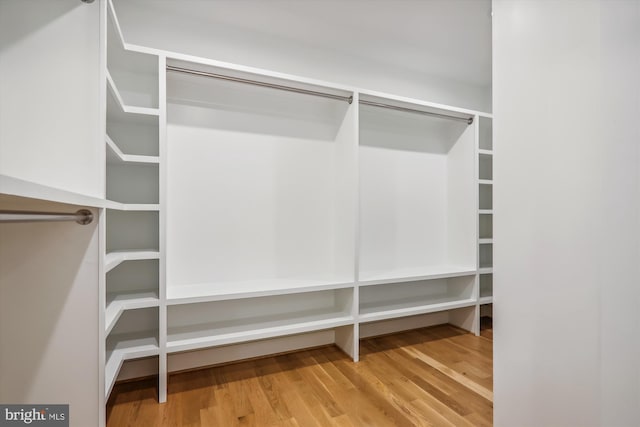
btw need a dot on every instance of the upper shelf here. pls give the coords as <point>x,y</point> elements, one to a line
<point>203,292</point>
<point>414,274</point>
<point>136,74</point>
<point>32,190</point>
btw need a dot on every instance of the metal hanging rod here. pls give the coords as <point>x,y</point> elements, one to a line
<point>467,120</point>
<point>83,216</point>
<point>349,99</point>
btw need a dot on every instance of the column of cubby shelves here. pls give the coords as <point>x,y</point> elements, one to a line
<point>417,263</point>
<point>485,220</point>
<point>132,210</point>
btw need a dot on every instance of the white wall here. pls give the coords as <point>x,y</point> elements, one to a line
<point>567,205</point>
<point>49,102</point>
<point>149,24</point>
<point>49,312</point>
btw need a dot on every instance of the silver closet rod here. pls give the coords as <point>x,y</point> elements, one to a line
<point>467,120</point>
<point>349,99</point>
<point>83,216</point>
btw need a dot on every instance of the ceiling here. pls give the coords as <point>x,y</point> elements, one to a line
<point>446,38</point>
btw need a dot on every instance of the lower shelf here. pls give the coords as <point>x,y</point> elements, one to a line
<point>410,307</point>
<point>184,338</point>
<point>126,347</point>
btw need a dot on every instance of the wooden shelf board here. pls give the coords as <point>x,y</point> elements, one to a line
<point>237,331</point>
<point>485,241</point>
<point>487,152</point>
<point>127,347</point>
<point>117,303</point>
<point>485,181</point>
<point>410,307</point>
<point>485,211</point>
<point>485,270</point>
<point>413,274</point>
<point>202,292</point>
<point>128,108</point>
<point>115,155</point>
<point>115,258</point>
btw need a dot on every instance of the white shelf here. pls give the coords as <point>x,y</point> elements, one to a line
<point>21,188</point>
<point>487,152</point>
<point>485,241</point>
<point>110,204</point>
<point>411,307</point>
<point>203,292</point>
<point>128,108</point>
<point>125,347</point>
<point>115,258</point>
<point>485,211</point>
<point>485,300</point>
<point>413,274</point>
<point>236,331</point>
<point>118,303</point>
<point>486,270</point>
<point>115,155</point>
<point>485,181</point>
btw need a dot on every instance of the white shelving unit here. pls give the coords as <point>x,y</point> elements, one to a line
<point>243,214</point>
<point>485,216</point>
<point>132,218</point>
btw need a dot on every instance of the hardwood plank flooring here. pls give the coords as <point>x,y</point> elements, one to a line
<point>438,376</point>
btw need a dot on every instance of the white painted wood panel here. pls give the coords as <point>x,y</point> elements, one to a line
<point>50,85</point>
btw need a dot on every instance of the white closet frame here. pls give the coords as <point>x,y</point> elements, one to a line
<point>349,307</point>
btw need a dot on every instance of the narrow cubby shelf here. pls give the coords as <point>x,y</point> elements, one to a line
<point>117,303</point>
<point>485,270</point>
<point>485,241</point>
<point>485,211</point>
<point>485,195</point>
<point>208,324</point>
<point>485,152</point>
<point>203,292</point>
<point>110,204</point>
<point>131,109</point>
<point>115,258</point>
<point>485,181</point>
<point>128,346</point>
<point>485,300</point>
<point>485,255</point>
<point>134,335</point>
<point>115,155</point>
<point>413,274</point>
<point>486,285</point>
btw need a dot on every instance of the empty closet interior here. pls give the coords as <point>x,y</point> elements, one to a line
<point>254,212</point>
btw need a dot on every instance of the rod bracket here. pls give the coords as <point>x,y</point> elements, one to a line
<point>84,217</point>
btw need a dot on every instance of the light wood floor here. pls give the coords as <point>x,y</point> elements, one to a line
<point>439,376</point>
